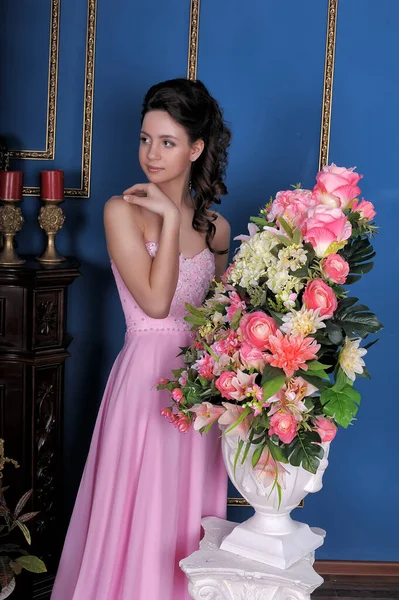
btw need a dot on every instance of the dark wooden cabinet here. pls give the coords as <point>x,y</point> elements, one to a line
<point>33,348</point>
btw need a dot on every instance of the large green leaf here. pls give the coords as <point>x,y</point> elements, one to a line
<point>341,404</point>
<point>32,564</point>
<point>356,320</point>
<point>276,452</point>
<point>305,450</point>
<point>358,252</point>
<point>272,381</point>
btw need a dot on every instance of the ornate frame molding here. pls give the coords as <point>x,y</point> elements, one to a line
<point>328,82</point>
<point>84,190</point>
<point>193,37</point>
<point>48,153</point>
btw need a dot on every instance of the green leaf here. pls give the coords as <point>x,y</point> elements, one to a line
<point>236,319</point>
<point>247,447</point>
<point>302,272</point>
<point>283,240</point>
<point>342,405</point>
<point>193,310</point>
<point>276,452</point>
<point>237,454</point>
<point>314,380</point>
<point>297,236</point>
<point>356,319</point>
<point>239,420</point>
<point>211,352</point>
<point>28,516</point>
<point>257,454</point>
<point>259,221</point>
<point>22,502</point>
<point>287,228</point>
<point>17,568</point>
<point>341,380</point>
<point>25,531</point>
<point>305,450</point>
<point>272,386</point>
<point>32,564</point>
<point>358,252</point>
<point>321,374</point>
<point>270,372</point>
<point>334,333</point>
<point>315,365</point>
<point>195,320</point>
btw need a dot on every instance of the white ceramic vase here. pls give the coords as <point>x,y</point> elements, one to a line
<point>271,536</point>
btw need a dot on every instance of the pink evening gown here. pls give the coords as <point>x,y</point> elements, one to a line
<point>145,486</point>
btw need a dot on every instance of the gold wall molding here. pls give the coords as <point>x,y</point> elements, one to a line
<point>328,82</point>
<point>48,153</point>
<point>193,37</point>
<point>84,190</point>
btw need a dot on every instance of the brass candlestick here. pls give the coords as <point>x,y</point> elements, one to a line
<point>11,221</point>
<point>51,220</point>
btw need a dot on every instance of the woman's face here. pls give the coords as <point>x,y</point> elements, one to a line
<point>165,152</point>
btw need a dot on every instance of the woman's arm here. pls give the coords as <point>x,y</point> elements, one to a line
<point>221,241</point>
<point>152,283</point>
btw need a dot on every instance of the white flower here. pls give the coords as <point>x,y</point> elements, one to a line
<point>350,358</point>
<point>292,257</point>
<point>303,322</point>
<point>252,260</point>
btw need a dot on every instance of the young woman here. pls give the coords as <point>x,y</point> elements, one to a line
<point>146,486</point>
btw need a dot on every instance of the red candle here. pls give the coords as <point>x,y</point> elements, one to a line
<point>52,185</point>
<point>11,183</point>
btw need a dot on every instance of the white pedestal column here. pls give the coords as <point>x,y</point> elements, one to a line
<point>216,574</point>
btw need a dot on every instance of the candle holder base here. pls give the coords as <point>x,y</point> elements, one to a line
<point>51,220</point>
<point>51,255</point>
<point>11,221</point>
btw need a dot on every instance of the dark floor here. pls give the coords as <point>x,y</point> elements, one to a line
<point>349,587</point>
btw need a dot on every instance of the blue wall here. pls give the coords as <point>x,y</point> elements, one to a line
<point>264,61</point>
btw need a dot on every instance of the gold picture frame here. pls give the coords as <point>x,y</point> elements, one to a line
<point>84,190</point>
<point>48,153</point>
<point>193,40</point>
<point>325,109</point>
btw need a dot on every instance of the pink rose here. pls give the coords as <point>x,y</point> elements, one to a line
<point>256,328</point>
<point>163,381</point>
<point>319,295</point>
<point>284,426</point>
<point>177,395</point>
<point>324,226</point>
<point>338,182</point>
<point>292,205</point>
<point>335,268</point>
<point>224,384</point>
<point>325,428</point>
<point>365,208</point>
<point>252,358</point>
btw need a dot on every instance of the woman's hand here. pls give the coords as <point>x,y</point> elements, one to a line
<point>152,198</point>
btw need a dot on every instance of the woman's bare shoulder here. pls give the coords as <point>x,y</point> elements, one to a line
<point>116,208</point>
<point>221,241</point>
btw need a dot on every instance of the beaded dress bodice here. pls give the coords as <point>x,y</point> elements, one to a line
<point>195,276</point>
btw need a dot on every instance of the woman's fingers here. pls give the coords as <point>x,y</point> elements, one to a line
<point>139,189</point>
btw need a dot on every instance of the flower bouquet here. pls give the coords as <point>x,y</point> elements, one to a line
<point>277,345</point>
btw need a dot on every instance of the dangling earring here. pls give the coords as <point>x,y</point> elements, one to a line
<point>190,186</point>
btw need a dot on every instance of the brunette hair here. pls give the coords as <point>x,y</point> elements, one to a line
<point>190,104</point>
